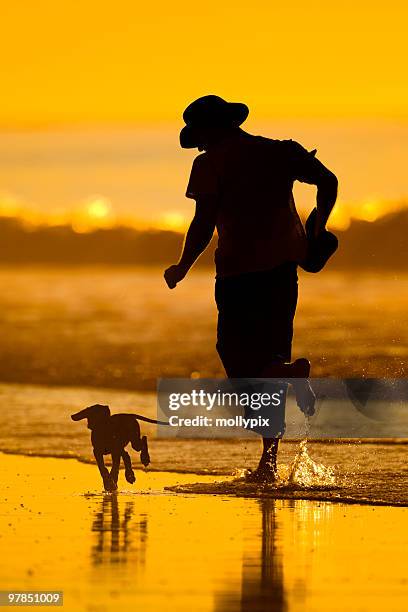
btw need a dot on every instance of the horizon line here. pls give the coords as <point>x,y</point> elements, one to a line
<point>30,225</point>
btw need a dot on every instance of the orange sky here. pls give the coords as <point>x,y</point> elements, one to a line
<point>136,61</point>
<point>332,77</point>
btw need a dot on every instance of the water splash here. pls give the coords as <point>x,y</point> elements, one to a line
<point>302,473</point>
<point>305,472</point>
<point>239,473</point>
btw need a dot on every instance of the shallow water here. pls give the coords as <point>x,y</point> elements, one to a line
<point>153,549</point>
<point>36,420</point>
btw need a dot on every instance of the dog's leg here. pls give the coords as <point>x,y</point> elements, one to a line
<point>140,445</point>
<point>115,467</point>
<point>106,477</point>
<point>144,455</point>
<point>136,442</point>
<point>129,473</point>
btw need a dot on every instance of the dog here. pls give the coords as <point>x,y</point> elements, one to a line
<point>110,435</point>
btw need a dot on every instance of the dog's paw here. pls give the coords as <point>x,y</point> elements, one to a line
<point>145,458</point>
<point>130,476</point>
<point>110,485</point>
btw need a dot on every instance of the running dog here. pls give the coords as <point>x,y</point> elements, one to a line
<point>110,435</point>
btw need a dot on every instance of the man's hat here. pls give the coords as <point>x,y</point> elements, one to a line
<point>210,111</point>
<point>319,248</point>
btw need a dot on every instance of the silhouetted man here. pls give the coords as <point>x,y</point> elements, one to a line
<point>242,185</point>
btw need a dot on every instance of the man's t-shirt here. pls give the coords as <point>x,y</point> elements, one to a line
<point>257,222</point>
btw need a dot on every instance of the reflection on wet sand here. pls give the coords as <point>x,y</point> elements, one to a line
<point>118,535</point>
<point>224,555</point>
<point>202,552</point>
<point>262,584</point>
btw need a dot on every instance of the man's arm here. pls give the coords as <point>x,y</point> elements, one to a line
<point>197,239</point>
<point>308,169</point>
<point>327,185</point>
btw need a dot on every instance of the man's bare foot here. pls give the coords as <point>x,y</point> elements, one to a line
<point>300,371</point>
<point>305,397</point>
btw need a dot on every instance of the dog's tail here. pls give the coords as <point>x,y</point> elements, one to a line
<point>139,417</point>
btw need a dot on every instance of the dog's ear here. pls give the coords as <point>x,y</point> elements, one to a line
<point>97,410</point>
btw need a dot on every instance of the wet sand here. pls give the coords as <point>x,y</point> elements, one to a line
<point>148,548</point>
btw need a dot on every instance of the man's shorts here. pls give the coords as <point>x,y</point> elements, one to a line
<point>255,327</point>
<point>255,319</point>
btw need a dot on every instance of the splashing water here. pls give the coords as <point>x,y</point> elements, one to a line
<point>302,473</point>
<point>306,473</point>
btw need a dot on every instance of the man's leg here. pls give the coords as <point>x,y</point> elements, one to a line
<point>267,470</point>
<point>268,461</point>
<point>254,319</point>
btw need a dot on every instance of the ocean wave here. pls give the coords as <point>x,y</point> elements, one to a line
<point>251,490</point>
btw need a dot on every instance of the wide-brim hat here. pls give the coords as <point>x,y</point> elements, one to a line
<point>210,111</point>
<point>319,248</point>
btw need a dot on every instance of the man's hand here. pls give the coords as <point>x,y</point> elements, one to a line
<point>174,275</point>
<point>197,239</point>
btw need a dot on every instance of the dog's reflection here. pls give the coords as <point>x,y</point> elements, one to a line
<point>119,535</point>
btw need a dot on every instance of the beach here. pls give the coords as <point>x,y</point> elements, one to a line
<point>149,548</point>
<point>331,535</point>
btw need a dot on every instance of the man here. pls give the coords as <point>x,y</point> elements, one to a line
<point>242,185</point>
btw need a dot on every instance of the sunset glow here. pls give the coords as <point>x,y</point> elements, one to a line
<point>95,213</point>
<point>173,220</point>
<point>100,214</point>
<point>306,70</point>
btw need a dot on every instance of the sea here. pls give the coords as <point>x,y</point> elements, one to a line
<point>71,337</point>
